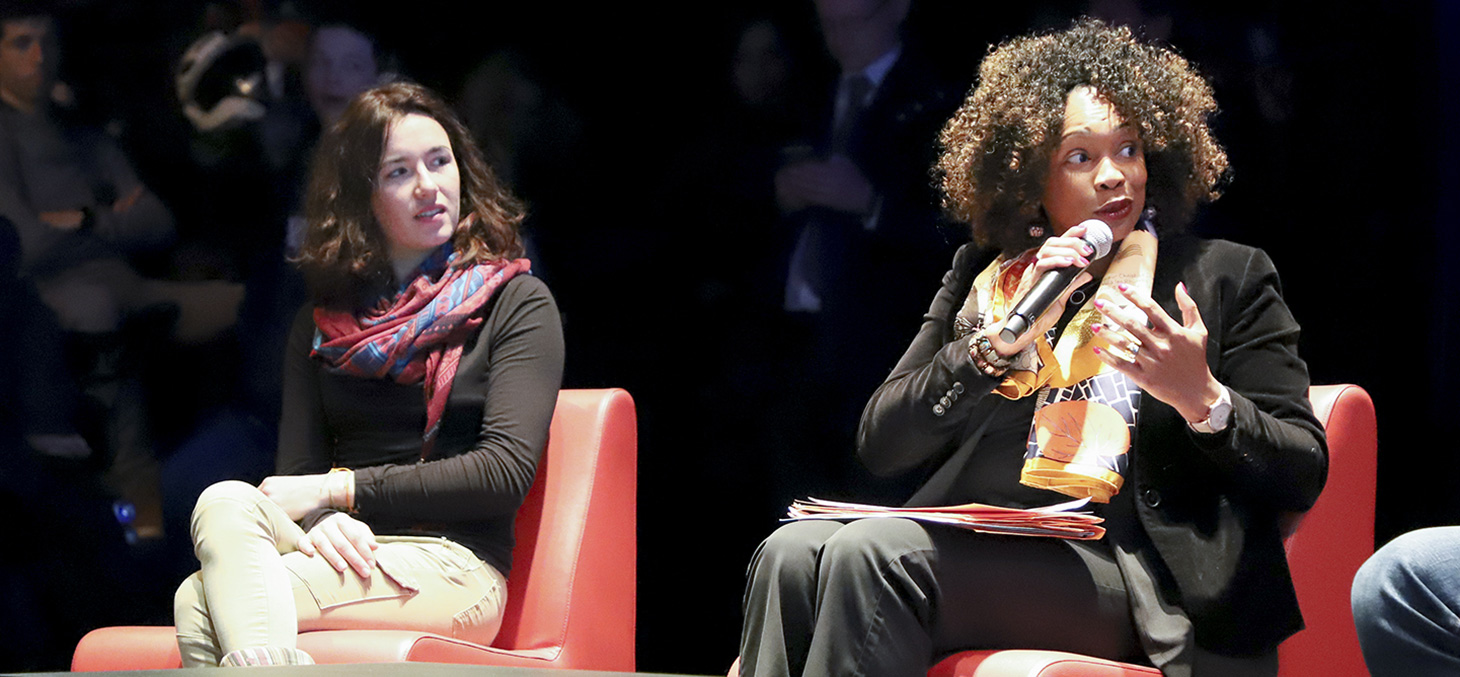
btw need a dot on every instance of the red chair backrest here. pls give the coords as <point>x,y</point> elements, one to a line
<point>581,510</point>
<point>1334,539</point>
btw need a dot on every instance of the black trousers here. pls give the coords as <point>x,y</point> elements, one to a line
<point>886,597</point>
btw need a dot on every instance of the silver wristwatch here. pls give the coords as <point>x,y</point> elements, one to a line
<point>1218,416</point>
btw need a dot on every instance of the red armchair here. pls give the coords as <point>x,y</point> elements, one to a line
<point>1335,537</point>
<point>571,593</point>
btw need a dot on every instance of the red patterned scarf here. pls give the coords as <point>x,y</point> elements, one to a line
<point>419,337</point>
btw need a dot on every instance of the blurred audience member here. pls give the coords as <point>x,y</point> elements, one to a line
<point>857,203</point>
<point>72,571</point>
<point>335,62</point>
<point>342,63</point>
<point>721,183</point>
<point>284,38</point>
<point>76,203</point>
<point>260,173</point>
<point>529,135</point>
<point>82,216</point>
<point>229,212</point>
<point>761,68</point>
<point>520,125</point>
<point>1153,25</point>
<point>258,96</point>
<point>78,210</point>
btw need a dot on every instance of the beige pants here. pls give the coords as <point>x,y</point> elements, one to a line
<point>256,590</point>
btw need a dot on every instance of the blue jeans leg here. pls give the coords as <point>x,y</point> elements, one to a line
<point>1406,604</point>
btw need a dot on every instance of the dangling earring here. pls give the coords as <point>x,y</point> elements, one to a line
<point>1148,220</point>
<point>1036,231</point>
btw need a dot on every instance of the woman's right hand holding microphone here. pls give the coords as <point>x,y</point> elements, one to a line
<point>1061,251</point>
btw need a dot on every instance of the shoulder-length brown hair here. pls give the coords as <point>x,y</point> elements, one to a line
<point>997,147</point>
<point>343,257</point>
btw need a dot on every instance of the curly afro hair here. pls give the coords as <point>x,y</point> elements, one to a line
<point>996,148</point>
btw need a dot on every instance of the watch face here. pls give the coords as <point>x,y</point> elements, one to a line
<point>1219,415</point>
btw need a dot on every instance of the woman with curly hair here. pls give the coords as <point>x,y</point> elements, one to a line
<point>417,394</point>
<point>1164,386</point>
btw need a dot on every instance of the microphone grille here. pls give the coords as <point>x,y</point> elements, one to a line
<point>1098,236</point>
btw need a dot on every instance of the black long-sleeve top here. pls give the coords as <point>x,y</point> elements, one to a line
<point>493,431</point>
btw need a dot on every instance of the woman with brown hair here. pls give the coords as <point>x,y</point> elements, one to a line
<point>1164,386</point>
<point>417,394</point>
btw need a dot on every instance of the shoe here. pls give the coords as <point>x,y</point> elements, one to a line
<point>265,655</point>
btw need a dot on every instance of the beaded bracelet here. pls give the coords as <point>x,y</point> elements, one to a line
<point>985,358</point>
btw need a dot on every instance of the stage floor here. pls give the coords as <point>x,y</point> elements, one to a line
<point>374,670</point>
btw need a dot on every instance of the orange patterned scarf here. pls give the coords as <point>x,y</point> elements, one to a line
<point>1085,412</point>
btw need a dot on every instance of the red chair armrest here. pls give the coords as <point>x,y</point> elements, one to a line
<point>128,647</point>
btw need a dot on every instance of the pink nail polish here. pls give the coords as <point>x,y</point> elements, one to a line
<point>1123,287</point>
<point>1097,350</point>
<point>1100,303</point>
<point>1095,329</point>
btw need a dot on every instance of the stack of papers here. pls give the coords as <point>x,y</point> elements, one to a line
<point>1065,520</point>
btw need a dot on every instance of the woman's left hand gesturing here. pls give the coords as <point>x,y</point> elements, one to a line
<point>1167,359</point>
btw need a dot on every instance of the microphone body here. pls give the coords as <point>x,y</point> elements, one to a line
<point>1048,288</point>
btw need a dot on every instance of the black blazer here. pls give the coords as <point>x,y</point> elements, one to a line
<point>1210,504</point>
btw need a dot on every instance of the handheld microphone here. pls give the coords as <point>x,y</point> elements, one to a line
<point>1049,287</point>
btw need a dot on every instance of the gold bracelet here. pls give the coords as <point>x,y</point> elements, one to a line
<point>346,486</point>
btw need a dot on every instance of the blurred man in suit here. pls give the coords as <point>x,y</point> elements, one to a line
<point>864,245</point>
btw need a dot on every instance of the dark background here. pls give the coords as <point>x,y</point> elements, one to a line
<point>1340,119</point>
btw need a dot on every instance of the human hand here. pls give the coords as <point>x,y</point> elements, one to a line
<point>300,495</point>
<point>69,219</point>
<point>835,183</point>
<point>83,304</point>
<point>838,183</point>
<point>127,201</point>
<point>344,542</point>
<point>69,446</point>
<point>1167,359</point>
<point>1056,252</point>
